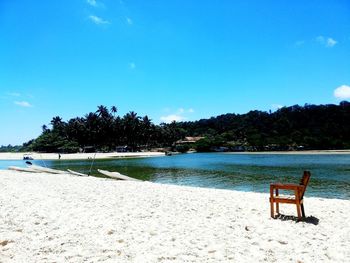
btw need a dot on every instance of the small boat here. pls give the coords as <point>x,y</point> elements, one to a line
<point>76,173</point>
<point>171,153</point>
<point>23,169</point>
<point>117,175</point>
<point>46,170</point>
<point>27,156</point>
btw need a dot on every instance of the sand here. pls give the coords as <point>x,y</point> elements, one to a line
<point>63,218</point>
<point>315,152</point>
<point>77,156</point>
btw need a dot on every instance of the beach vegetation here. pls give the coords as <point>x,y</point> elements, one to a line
<point>182,148</point>
<point>289,128</point>
<point>10,148</point>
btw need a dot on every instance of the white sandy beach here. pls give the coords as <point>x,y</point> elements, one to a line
<point>62,218</point>
<point>77,156</point>
<point>316,152</point>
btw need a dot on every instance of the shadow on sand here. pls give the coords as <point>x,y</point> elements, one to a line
<point>310,219</point>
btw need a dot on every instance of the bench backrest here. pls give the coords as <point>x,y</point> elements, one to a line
<point>304,181</point>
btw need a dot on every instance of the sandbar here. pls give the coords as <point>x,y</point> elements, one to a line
<point>77,156</point>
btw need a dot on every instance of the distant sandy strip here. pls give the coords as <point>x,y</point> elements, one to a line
<point>77,156</point>
<point>63,218</point>
<point>297,152</point>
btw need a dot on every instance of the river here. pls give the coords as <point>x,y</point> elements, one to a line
<point>330,174</point>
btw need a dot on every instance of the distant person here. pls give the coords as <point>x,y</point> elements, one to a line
<point>59,156</point>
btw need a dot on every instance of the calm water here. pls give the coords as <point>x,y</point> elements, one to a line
<point>330,174</point>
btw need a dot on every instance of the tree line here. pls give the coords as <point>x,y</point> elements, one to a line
<point>289,128</point>
<point>103,130</point>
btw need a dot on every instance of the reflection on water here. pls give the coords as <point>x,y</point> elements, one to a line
<point>253,172</point>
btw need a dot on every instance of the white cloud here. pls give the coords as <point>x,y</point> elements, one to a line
<point>327,42</point>
<point>342,92</point>
<point>331,42</point>
<point>98,20</point>
<point>92,2</point>
<point>129,21</point>
<point>182,111</point>
<point>276,106</point>
<point>23,104</point>
<point>172,117</point>
<point>179,115</point>
<point>132,65</point>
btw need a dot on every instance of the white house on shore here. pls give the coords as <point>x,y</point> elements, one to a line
<point>188,140</point>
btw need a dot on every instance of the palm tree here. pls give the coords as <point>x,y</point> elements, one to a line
<point>103,112</point>
<point>58,125</point>
<point>145,131</point>
<point>91,128</point>
<point>114,110</point>
<point>56,121</point>
<point>131,125</point>
<point>132,115</point>
<point>44,128</point>
<point>146,121</point>
<point>76,130</point>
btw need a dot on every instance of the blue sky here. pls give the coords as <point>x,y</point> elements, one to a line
<point>182,60</point>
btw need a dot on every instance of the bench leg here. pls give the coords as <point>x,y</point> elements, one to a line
<point>272,209</point>
<point>271,202</point>
<point>298,211</point>
<point>302,210</point>
<point>297,202</point>
<point>277,204</point>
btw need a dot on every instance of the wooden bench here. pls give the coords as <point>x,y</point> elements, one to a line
<point>297,199</point>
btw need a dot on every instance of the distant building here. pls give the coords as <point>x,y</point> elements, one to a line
<point>188,140</point>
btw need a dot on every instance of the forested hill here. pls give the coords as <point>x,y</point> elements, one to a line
<point>295,127</point>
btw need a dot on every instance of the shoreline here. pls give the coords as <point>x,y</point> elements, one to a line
<point>77,156</point>
<point>315,152</point>
<point>47,217</point>
<point>115,155</point>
